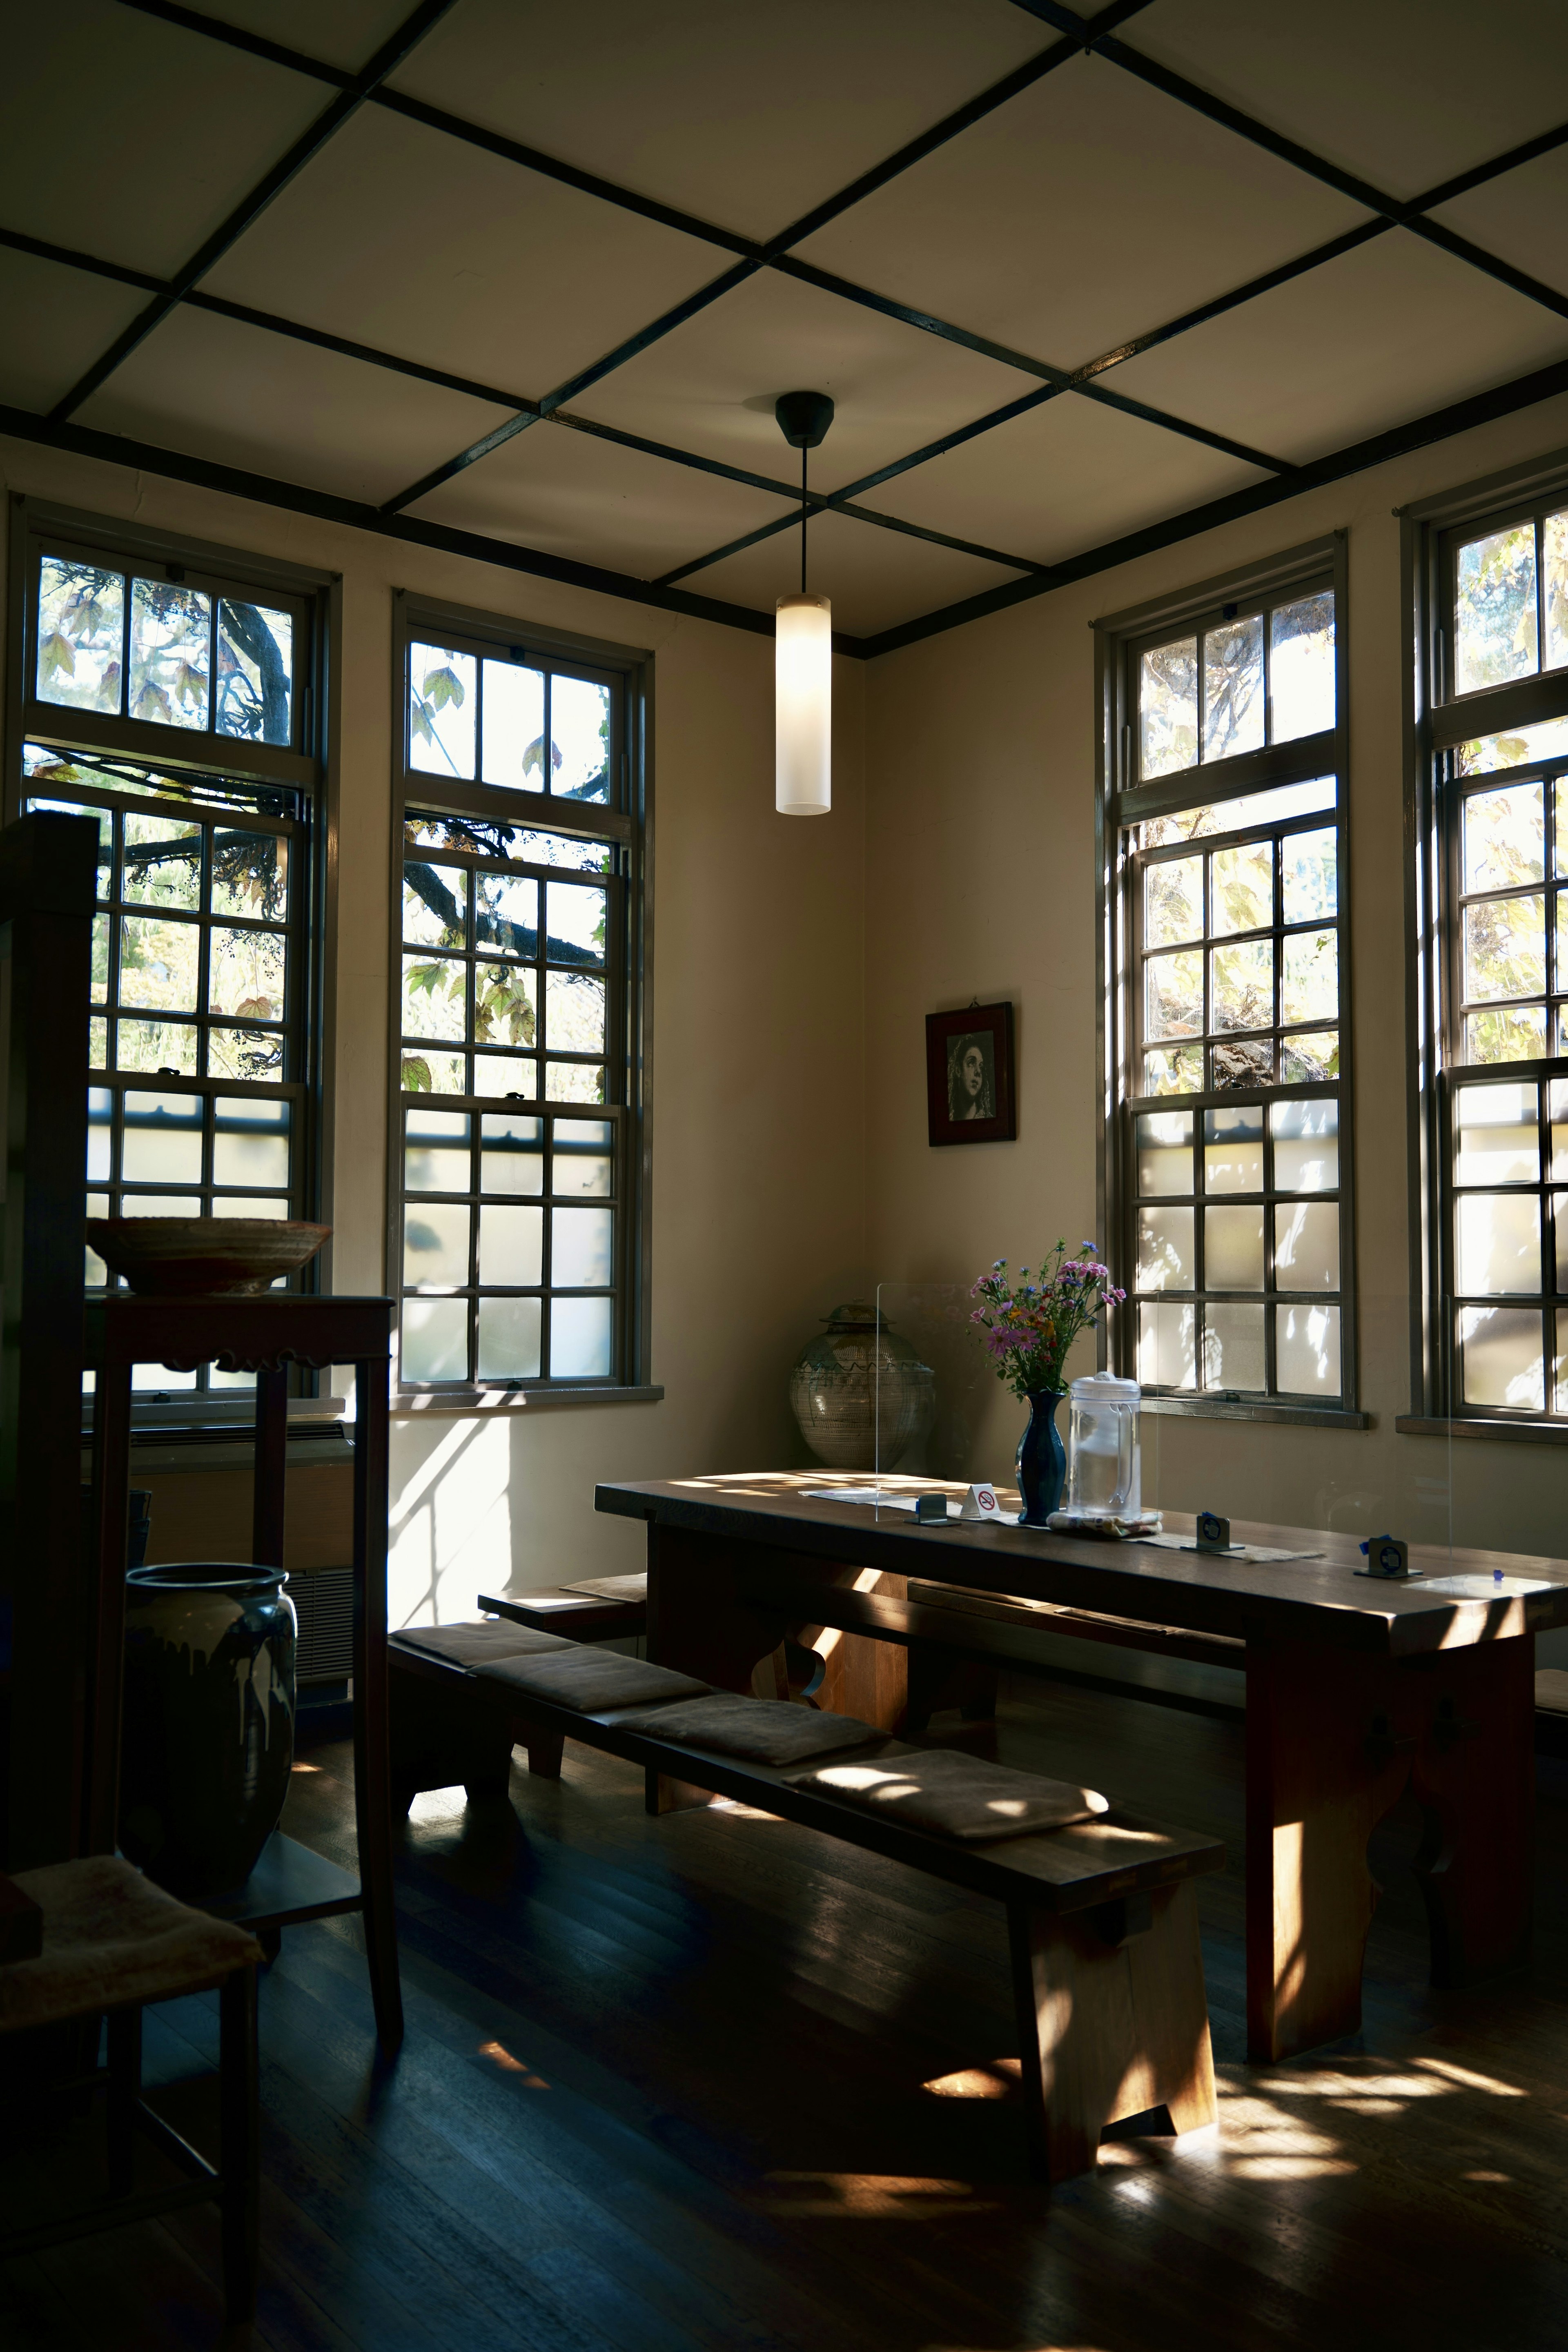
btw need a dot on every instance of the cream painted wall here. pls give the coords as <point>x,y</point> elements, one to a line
<point>979,809</point>
<point>758,1056</point>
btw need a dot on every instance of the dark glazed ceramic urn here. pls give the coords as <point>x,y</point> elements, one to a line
<point>209,1722</point>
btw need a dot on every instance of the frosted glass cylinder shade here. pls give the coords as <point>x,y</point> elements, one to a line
<point>803,680</point>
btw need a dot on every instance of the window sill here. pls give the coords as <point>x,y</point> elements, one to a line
<point>1532,1433</point>
<point>1308,1416</point>
<point>485,1401</point>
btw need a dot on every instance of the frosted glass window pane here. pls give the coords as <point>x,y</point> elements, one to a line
<point>580,1335</point>
<point>1494,609</point>
<point>1307,1246</point>
<point>514,729</point>
<point>249,1204</point>
<point>435,1245</point>
<point>1233,689</point>
<point>1165,1147</point>
<point>1500,1356</point>
<point>99,1110</point>
<point>1232,1150</point>
<point>1310,986</point>
<point>581,1161</point>
<point>579,1257</point>
<point>1166,1347</point>
<point>171,654</point>
<point>1242,883</point>
<point>1240,816</point>
<point>511,1154</point>
<point>1301,667</point>
<point>1173,902</point>
<point>1168,708</point>
<point>508,1339</point>
<point>1309,864</point>
<point>1498,1142</point>
<point>580,738</point>
<point>441,698</point>
<point>436,1159</point>
<point>250,1145</point>
<point>1500,1242</point>
<point>435,904</point>
<point>1173,995</point>
<point>1306,1145</point>
<point>1557,1111</point>
<point>162,1140</point>
<point>1233,1248</point>
<point>511,1247</point>
<point>1505,838</point>
<point>1512,1033</point>
<point>435,1339</point>
<point>82,623</point>
<point>1233,1347</point>
<point>96,1275</point>
<point>157,1379</point>
<point>1307,1350</point>
<point>255,672</point>
<point>1241,986</point>
<point>1560,1229</point>
<point>1166,1256</point>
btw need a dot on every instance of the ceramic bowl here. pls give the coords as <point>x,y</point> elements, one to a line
<point>170,1257</point>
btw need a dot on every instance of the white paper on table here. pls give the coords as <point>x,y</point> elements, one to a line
<point>1228,1551</point>
<point>865,1494</point>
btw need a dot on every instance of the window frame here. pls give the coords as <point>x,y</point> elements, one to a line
<point>626,819</point>
<point>1120,801</point>
<point>1437,720</point>
<point>307,766</point>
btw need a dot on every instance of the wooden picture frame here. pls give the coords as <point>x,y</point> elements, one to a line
<point>971,1097</point>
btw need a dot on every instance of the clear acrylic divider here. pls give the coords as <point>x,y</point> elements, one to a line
<point>940,1415</point>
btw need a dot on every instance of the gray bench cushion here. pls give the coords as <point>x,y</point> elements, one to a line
<point>631,1589</point>
<point>471,1646</point>
<point>955,1796</point>
<point>590,1678</point>
<point>759,1730</point>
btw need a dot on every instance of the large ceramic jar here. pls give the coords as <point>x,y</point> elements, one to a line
<point>860,1393</point>
<point>209,1737</point>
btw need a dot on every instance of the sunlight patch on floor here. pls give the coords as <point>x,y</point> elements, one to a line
<point>998,2078</point>
<point>499,2056</point>
<point>869,2196</point>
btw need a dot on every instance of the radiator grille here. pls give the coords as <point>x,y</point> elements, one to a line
<point>324,1603</point>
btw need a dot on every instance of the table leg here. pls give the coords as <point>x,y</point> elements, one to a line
<point>111,1515</point>
<point>270,1473</point>
<point>697,1618</point>
<point>1475,1777</point>
<point>372,1768</point>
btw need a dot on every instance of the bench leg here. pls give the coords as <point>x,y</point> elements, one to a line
<point>1113,2021</point>
<point>124,2055</point>
<point>239,2162</point>
<point>544,1749</point>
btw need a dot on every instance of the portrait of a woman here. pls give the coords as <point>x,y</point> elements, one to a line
<point>971,1078</point>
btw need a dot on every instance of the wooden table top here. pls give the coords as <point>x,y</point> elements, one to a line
<point>1318,1599</point>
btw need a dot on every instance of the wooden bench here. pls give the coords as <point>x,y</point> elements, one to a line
<point>601,1608</point>
<point>450,1730</point>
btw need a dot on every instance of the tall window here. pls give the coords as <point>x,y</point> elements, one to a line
<point>1491,801</point>
<point>1227,1152</point>
<point>169,694</point>
<point>519,1068</point>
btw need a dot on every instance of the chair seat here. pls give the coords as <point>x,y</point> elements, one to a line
<point>111,1937</point>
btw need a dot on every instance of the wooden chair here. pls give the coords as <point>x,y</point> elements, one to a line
<point>93,1936</point>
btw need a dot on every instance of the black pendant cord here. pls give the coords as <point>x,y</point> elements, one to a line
<point>805,511</point>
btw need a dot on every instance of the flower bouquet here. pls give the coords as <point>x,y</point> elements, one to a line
<point>1026,1330</point>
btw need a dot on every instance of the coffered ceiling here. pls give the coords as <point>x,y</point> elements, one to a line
<point>527,280</point>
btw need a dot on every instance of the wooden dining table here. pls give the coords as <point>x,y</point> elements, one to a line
<point>1357,1689</point>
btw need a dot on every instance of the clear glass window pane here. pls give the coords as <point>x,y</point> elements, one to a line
<point>1242,888</point>
<point>163,863</point>
<point>1165,1148</point>
<point>1179,1071</point>
<point>250,1142</point>
<point>81,635</point>
<point>1515,1035</point>
<point>1233,1348</point>
<point>255,697</point>
<point>1310,989</point>
<point>505,1075</point>
<point>433,992</point>
<point>1310,1057</point>
<point>511,1247</point>
<point>514,729</point>
<point>506,1005</point>
<point>1554,588</point>
<point>1173,995</point>
<point>171,653</point>
<point>1486,754</point>
<point>256,1054</point>
<point>1306,1145</point>
<point>1233,689</point>
<point>165,1047</point>
<point>1243,1062</point>
<point>1167,1348</point>
<point>246,975</point>
<point>574,923</point>
<point>251,874</point>
<point>580,738</point>
<point>1310,875</point>
<point>1301,667</point>
<point>1166,1253</point>
<point>1505,838</point>
<point>102,940</point>
<point>507,914</point>
<point>1494,609</point>
<point>98,1045</point>
<point>580,1249</point>
<point>1241,815</point>
<point>1241,985</point>
<point>435,904</point>
<point>100,1137</point>
<point>436,1155</point>
<point>435,1074</point>
<point>508,1339</point>
<point>573,1082</point>
<point>1496,1136</point>
<point>1168,708</point>
<point>1500,1356</point>
<point>1233,1248</point>
<point>163,1139</point>
<point>581,1334</point>
<point>1307,1246</point>
<point>442,692</point>
<point>1505,947</point>
<point>1499,1242</point>
<point>574,1013</point>
<point>511,1154</point>
<point>1173,901</point>
<point>435,1339</point>
<point>435,1245</point>
<point>1232,1150</point>
<point>1307,1350</point>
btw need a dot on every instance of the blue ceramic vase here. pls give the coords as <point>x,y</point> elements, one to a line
<point>1042,1459</point>
<point>208,1739</point>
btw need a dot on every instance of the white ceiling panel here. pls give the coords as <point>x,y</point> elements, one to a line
<point>1068,475</point>
<point>347,34</point>
<point>403,238</point>
<point>1521,218</point>
<point>875,578</point>
<point>1405,93</point>
<point>244,397</point>
<point>570,494</point>
<point>711,385</point>
<point>56,322</point>
<point>744,115</point>
<point>129,139</point>
<point>1084,212</point>
<point>1388,333</point>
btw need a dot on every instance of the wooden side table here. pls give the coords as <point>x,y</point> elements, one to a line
<point>261,1335</point>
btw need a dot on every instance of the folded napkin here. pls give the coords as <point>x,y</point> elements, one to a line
<point>587,1678</point>
<point>466,1645</point>
<point>956,1796</point>
<point>759,1730</point>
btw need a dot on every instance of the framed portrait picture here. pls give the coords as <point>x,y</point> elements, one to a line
<point>970,1095</point>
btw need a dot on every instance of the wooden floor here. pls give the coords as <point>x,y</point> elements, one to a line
<point>715,2082</point>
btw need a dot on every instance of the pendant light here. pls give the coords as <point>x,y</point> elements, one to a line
<point>802,657</point>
